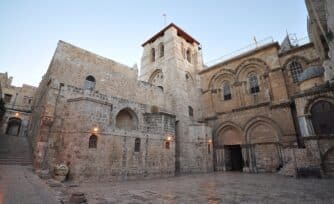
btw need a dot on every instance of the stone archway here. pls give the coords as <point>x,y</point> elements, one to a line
<point>228,144</point>
<point>264,148</point>
<point>127,119</point>
<point>13,126</point>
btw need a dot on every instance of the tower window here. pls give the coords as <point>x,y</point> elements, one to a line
<point>296,70</point>
<point>137,145</point>
<point>190,111</point>
<point>253,83</point>
<point>92,141</point>
<point>188,55</point>
<point>209,148</point>
<point>152,55</point>
<point>161,49</point>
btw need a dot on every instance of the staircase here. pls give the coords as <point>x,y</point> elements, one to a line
<point>14,150</point>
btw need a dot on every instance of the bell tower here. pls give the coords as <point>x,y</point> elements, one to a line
<point>171,60</point>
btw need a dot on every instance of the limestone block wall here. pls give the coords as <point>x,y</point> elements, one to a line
<point>263,61</point>
<point>73,115</point>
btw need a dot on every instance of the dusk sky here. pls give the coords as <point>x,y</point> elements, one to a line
<point>31,29</point>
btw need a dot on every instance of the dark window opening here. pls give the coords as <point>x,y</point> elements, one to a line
<point>8,98</point>
<point>209,148</point>
<point>152,55</point>
<point>227,92</point>
<point>167,144</point>
<point>188,53</point>
<point>322,117</point>
<point>190,111</point>
<point>253,83</point>
<point>92,141</point>
<point>137,145</point>
<point>162,50</point>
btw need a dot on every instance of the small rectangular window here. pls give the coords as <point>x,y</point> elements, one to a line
<point>8,98</point>
<point>255,89</point>
<point>167,145</point>
<point>227,97</point>
<point>209,148</point>
<point>191,111</point>
<point>137,145</point>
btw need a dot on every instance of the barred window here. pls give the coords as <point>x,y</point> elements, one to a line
<point>253,83</point>
<point>295,69</point>
<point>227,91</point>
<point>137,145</point>
<point>92,142</point>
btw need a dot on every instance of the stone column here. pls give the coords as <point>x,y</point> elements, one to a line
<point>306,127</point>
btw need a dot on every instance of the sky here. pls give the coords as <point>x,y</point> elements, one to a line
<point>30,29</point>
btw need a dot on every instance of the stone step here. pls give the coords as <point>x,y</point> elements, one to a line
<point>13,162</point>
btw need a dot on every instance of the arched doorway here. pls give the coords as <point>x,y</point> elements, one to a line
<point>228,149</point>
<point>13,126</point>
<point>264,149</point>
<point>322,117</point>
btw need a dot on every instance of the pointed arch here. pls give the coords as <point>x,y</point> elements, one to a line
<point>257,127</point>
<point>228,133</point>
<point>251,65</point>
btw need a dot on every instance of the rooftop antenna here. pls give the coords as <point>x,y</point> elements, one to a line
<point>165,18</point>
<point>256,43</point>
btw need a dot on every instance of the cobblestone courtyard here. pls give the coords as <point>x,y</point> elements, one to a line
<point>213,188</point>
<point>19,185</point>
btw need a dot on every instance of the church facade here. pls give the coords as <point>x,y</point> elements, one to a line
<point>268,109</point>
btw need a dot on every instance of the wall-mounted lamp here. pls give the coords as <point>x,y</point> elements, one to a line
<point>209,141</point>
<point>95,129</point>
<point>17,114</point>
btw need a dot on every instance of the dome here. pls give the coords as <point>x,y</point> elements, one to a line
<point>311,72</point>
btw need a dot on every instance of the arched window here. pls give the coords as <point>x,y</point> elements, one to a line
<point>157,78</point>
<point>295,69</point>
<point>90,83</point>
<point>92,141</point>
<point>190,111</point>
<point>161,50</point>
<point>152,55</point>
<point>126,119</point>
<point>322,117</point>
<point>227,91</point>
<point>188,55</point>
<point>137,145</point>
<point>253,83</point>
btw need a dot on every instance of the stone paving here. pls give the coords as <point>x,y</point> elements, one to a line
<point>212,188</point>
<point>19,185</point>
